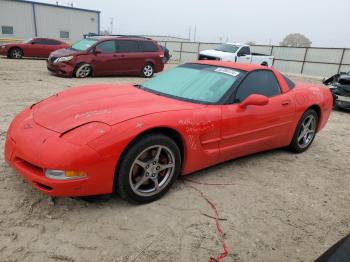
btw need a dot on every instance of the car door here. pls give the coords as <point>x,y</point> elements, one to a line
<point>244,56</point>
<point>104,59</point>
<point>257,128</point>
<point>129,55</point>
<point>35,48</point>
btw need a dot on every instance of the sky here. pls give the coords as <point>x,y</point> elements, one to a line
<point>324,22</point>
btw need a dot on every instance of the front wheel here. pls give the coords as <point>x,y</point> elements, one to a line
<point>83,71</point>
<point>15,53</point>
<point>148,70</point>
<point>148,168</point>
<point>305,132</point>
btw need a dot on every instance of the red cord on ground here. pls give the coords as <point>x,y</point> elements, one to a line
<point>221,234</point>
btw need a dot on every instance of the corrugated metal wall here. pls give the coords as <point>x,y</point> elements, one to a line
<point>18,15</point>
<point>311,61</point>
<point>50,20</point>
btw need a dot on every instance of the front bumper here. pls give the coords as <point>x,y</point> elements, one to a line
<point>3,51</point>
<point>341,99</point>
<point>31,148</point>
<point>62,69</point>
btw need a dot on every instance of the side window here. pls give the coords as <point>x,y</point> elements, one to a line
<point>39,41</point>
<point>148,46</point>
<point>107,47</point>
<point>127,46</point>
<point>46,42</point>
<point>262,82</point>
<point>7,30</point>
<point>244,51</point>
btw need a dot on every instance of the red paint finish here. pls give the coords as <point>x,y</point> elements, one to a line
<point>106,64</point>
<point>88,128</point>
<point>36,47</point>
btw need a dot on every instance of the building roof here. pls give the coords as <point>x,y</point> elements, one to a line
<point>57,6</point>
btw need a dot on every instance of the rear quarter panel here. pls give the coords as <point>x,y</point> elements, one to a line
<point>308,95</point>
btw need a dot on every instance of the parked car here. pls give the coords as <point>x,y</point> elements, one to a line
<point>138,138</point>
<point>34,47</point>
<point>235,52</point>
<point>167,55</point>
<point>108,55</point>
<point>339,84</point>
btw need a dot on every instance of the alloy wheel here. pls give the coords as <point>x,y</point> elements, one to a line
<point>152,170</point>
<point>307,131</point>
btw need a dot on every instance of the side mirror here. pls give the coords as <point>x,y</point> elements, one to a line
<point>241,54</point>
<point>254,100</point>
<point>33,43</point>
<point>97,51</point>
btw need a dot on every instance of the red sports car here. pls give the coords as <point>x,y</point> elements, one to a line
<point>34,47</point>
<point>138,138</point>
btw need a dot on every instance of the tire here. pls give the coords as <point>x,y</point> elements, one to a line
<point>148,70</point>
<point>83,71</point>
<point>305,132</point>
<point>139,171</point>
<point>15,53</point>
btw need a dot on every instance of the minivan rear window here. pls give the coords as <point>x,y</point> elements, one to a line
<point>148,46</point>
<point>83,44</point>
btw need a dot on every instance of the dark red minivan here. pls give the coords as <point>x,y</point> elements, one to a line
<point>107,55</point>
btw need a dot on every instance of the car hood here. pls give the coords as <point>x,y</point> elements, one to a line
<point>64,52</point>
<point>215,53</point>
<point>110,104</point>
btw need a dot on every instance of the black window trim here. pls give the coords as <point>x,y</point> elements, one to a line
<point>232,98</point>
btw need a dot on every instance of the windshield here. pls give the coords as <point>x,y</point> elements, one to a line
<point>194,82</point>
<point>227,48</point>
<point>28,40</point>
<point>84,44</point>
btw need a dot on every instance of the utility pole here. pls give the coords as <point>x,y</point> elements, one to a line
<point>111,19</point>
<point>195,33</point>
<point>189,33</point>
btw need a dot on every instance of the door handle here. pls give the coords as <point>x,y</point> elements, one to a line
<point>285,102</point>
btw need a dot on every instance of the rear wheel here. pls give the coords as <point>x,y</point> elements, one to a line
<point>148,70</point>
<point>15,53</point>
<point>305,132</point>
<point>83,71</point>
<point>148,168</point>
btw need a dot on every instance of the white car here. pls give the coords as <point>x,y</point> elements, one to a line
<point>236,52</point>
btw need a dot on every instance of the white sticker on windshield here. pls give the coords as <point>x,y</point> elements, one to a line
<point>227,71</point>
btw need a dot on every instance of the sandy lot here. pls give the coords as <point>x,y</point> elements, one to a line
<point>282,206</point>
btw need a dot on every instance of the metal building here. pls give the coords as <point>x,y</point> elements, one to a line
<point>25,19</point>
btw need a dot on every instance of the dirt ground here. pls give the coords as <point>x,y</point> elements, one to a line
<point>282,206</point>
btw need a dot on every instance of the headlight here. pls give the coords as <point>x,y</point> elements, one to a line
<point>63,59</point>
<point>64,175</point>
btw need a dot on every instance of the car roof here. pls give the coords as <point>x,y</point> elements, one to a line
<point>99,38</point>
<point>243,67</point>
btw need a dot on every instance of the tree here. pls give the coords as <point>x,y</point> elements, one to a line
<point>250,43</point>
<point>296,40</point>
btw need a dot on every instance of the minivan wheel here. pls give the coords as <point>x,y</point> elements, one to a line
<point>83,70</point>
<point>15,53</point>
<point>148,70</point>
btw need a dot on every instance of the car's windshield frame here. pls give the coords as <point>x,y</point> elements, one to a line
<point>221,101</point>
<point>227,48</point>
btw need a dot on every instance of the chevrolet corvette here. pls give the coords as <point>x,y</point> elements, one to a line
<point>137,139</point>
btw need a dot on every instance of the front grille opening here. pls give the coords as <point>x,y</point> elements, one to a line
<point>28,166</point>
<point>48,188</point>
